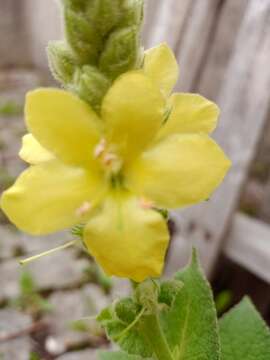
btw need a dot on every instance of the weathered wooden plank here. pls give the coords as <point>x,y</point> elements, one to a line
<point>150,15</point>
<point>244,101</point>
<point>220,49</point>
<point>13,40</point>
<point>165,21</point>
<point>194,45</point>
<point>249,245</point>
<point>43,24</point>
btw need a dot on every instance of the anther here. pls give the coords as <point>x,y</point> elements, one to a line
<point>100,148</point>
<point>109,158</point>
<point>146,204</point>
<point>82,210</point>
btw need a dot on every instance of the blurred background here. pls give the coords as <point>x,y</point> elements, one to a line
<point>223,47</point>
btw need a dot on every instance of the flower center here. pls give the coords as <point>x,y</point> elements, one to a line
<point>108,158</point>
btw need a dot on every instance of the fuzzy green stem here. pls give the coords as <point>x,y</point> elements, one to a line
<point>153,333</point>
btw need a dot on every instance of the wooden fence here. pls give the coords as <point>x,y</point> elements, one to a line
<point>223,47</point>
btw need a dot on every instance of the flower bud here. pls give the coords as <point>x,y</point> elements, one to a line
<point>146,294</point>
<point>127,310</point>
<point>91,85</point>
<point>104,15</point>
<point>168,291</point>
<point>132,13</point>
<point>82,37</point>
<point>120,53</point>
<point>61,62</point>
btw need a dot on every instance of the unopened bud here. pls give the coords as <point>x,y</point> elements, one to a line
<point>133,12</point>
<point>169,290</point>
<point>127,309</point>
<point>61,62</point>
<point>104,15</point>
<point>146,294</point>
<point>91,85</point>
<point>83,39</point>
<point>120,53</point>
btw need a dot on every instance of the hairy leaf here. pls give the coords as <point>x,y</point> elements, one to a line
<point>244,335</point>
<point>190,325</point>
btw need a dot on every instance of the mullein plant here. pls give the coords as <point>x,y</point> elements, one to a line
<point>109,154</point>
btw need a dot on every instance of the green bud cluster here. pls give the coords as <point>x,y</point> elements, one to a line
<point>102,41</point>
<point>126,317</point>
<point>168,291</point>
<point>127,310</point>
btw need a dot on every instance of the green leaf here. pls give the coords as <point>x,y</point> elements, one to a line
<point>118,356</point>
<point>190,326</point>
<point>244,335</point>
<point>176,320</point>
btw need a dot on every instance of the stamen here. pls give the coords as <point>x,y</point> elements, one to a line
<point>49,252</point>
<point>109,158</point>
<point>86,206</point>
<point>100,148</point>
<point>146,204</point>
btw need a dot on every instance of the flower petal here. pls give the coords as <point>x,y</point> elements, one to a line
<point>161,66</point>
<point>32,152</point>
<point>63,124</point>
<point>179,171</point>
<point>190,113</point>
<point>133,112</point>
<point>127,240</point>
<point>46,197</point>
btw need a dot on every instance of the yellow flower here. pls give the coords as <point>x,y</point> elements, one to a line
<point>146,151</point>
